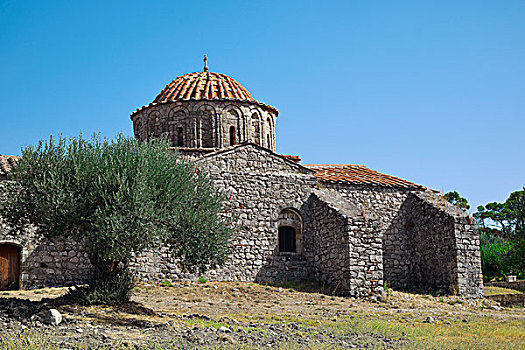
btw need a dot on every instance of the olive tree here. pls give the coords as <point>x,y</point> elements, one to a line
<point>118,197</point>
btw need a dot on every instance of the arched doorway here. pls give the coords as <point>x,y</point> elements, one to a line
<point>9,267</point>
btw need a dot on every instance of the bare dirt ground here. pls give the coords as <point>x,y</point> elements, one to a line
<point>249,315</point>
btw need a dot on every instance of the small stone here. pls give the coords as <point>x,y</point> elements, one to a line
<point>224,329</point>
<point>50,316</point>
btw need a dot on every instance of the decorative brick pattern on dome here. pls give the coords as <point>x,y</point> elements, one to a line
<point>206,86</point>
<point>203,85</point>
<point>358,174</point>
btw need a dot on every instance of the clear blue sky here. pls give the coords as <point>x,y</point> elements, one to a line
<point>430,91</point>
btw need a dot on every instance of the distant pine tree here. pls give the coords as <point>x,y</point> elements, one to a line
<point>455,199</point>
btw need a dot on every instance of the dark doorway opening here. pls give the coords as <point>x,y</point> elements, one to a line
<point>286,239</point>
<point>233,141</point>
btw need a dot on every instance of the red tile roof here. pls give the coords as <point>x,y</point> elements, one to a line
<point>206,86</point>
<point>7,163</point>
<point>296,159</point>
<point>358,175</point>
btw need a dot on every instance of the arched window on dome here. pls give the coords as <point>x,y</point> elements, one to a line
<point>207,131</point>
<point>154,125</point>
<point>180,136</point>
<point>269,133</point>
<point>256,129</point>
<point>233,140</point>
<point>138,130</point>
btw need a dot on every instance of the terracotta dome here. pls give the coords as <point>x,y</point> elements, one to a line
<point>203,85</point>
<point>206,86</point>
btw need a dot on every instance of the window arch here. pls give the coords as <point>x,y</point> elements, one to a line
<point>269,133</point>
<point>138,129</point>
<point>207,133</point>
<point>154,127</point>
<point>232,121</point>
<point>290,232</point>
<point>256,129</point>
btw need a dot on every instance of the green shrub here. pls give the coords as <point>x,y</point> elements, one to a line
<point>496,261</point>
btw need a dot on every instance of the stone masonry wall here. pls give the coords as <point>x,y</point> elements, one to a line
<point>430,247</point>
<point>445,243</point>
<point>259,185</point>
<point>47,263</point>
<point>407,227</point>
<point>384,203</point>
<point>344,246</point>
<point>352,237</point>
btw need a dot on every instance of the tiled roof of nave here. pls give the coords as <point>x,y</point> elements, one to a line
<point>359,175</point>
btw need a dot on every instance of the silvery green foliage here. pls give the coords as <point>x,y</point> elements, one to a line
<point>120,197</point>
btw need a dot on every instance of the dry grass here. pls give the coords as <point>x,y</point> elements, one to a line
<point>401,317</point>
<point>499,290</point>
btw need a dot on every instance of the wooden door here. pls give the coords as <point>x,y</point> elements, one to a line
<point>9,267</point>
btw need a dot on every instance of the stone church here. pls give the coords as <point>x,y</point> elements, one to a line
<point>344,225</point>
